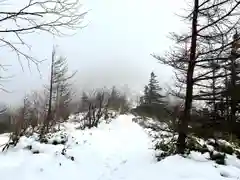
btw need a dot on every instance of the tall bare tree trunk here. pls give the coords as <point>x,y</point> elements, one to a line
<point>181,144</point>
<point>49,111</point>
<point>227,96</point>
<point>233,102</point>
<point>49,114</point>
<point>214,94</point>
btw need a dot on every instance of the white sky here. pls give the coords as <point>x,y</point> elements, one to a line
<point>114,49</point>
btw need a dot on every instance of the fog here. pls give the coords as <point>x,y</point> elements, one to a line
<point>113,49</point>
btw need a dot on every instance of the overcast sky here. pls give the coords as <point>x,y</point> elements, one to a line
<point>114,49</point>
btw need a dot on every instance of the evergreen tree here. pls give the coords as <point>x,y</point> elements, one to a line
<point>84,102</point>
<point>62,88</point>
<point>113,101</point>
<point>152,91</point>
<point>145,98</point>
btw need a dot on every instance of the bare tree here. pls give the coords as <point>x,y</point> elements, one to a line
<point>35,108</point>
<point>46,122</point>
<point>57,17</point>
<point>21,121</point>
<point>59,92</point>
<point>95,110</point>
<point>212,25</point>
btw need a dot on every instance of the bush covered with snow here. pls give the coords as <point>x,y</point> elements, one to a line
<point>55,138</point>
<point>87,120</point>
<point>165,140</point>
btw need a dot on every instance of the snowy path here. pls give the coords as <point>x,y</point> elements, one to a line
<point>111,151</point>
<point>116,151</point>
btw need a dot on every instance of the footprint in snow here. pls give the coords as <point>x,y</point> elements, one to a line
<point>124,162</point>
<point>224,174</point>
<point>115,169</point>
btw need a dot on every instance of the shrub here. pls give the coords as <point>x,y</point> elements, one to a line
<point>237,154</point>
<point>162,146</point>
<point>219,158</point>
<point>44,140</point>
<point>226,149</point>
<point>161,156</point>
<point>204,149</point>
<point>55,142</point>
<point>36,152</point>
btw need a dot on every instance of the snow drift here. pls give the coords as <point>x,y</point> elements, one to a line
<point>117,150</point>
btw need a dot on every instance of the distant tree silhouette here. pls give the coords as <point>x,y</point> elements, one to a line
<point>152,91</point>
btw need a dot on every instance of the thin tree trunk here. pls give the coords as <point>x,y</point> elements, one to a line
<point>233,93</point>
<point>49,111</point>
<point>214,95</point>
<point>227,98</point>
<point>181,143</point>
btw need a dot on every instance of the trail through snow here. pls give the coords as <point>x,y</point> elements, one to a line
<point>120,150</point>
<point>107,152</point>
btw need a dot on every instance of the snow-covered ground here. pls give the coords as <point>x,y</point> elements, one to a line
<point>120,150</point>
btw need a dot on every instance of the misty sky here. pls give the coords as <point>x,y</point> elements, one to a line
<point>114,49</point>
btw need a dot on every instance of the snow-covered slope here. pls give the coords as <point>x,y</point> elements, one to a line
<point>120,150</point>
